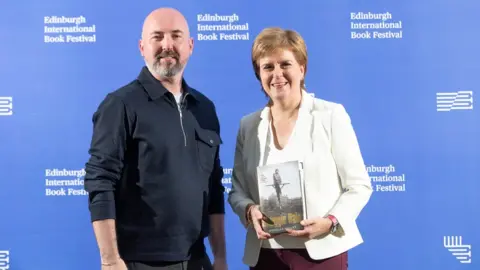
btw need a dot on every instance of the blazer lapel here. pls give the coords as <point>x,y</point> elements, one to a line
<point>262,135</point>
<point>255,151</point>
<point>305,118</point>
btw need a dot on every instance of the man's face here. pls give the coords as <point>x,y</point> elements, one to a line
<point>166,45</point>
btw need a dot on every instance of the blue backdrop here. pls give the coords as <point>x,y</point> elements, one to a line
<point>406,71</point>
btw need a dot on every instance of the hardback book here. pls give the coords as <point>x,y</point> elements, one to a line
<point>282,196</point>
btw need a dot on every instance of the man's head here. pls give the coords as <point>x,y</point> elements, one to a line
<point>166,44</point>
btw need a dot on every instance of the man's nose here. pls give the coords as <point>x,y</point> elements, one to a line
<point>167,42</point>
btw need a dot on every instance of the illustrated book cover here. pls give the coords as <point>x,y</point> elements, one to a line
<point>282,196</point>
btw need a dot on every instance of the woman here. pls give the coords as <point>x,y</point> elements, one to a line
<point>296,126</point>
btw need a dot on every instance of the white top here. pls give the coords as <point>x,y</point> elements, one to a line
<point>178,97</point>
<point>297,145</point>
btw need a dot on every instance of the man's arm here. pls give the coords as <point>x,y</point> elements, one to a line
<point>106,236</point>
<point>107,150</point>
<point>217,237</point>
<point>216,207</point>
<point>217,213</point>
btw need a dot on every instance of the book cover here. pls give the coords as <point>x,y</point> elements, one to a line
<point>282,196</point>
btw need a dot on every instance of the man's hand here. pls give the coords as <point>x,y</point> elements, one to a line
<point>312,228</point>
<point>217,241</point>
<point>118,264</point>
<point>220,264</point>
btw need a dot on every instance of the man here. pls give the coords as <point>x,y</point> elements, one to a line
<point>154,174</point>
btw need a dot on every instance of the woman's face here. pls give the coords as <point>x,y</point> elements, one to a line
<point>280,74</point>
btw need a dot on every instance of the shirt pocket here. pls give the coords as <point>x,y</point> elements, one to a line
<point>207,145</point>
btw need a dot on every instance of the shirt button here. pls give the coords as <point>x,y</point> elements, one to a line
<point>211,141</point>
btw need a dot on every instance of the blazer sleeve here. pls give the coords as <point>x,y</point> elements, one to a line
<point>351,169</point>
<point>238,197</point>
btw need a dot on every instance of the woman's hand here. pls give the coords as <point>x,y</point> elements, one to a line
<point>256,216</point>
<point>312,228</point>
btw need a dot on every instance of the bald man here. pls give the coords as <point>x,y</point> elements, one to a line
<point>154,173</point>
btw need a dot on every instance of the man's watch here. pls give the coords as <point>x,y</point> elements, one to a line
<point>334,220</point>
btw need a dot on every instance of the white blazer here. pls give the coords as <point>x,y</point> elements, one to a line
<point>336,179</point>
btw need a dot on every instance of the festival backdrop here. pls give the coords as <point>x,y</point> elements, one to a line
<point>406,71</point>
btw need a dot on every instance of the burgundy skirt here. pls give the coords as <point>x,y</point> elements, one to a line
<point>297,259</point>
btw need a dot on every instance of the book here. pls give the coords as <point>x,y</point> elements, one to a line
<point>282,196</point>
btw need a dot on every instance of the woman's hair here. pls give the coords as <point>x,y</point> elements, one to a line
<point>274,38</point>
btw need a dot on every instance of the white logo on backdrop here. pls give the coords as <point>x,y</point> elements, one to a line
<point>6,106</point>
<point>4,259</point>
<point>460,251</point>
<point>448,101</point>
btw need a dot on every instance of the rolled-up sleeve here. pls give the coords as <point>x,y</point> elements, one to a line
<point>351,169</point>
<point>217,199</point>
<point>111,127</point>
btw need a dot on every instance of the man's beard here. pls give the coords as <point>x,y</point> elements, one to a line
<point>167,70</point>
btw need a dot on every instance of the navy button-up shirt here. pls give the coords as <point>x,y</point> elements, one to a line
<point>155,169</point>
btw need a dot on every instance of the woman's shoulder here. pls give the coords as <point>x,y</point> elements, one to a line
<point>251,118</point>
<point>327,109</point>
<point>320,104</point>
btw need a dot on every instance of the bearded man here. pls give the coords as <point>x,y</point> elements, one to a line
<point>154,173</point>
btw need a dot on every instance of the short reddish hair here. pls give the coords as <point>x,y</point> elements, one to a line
<point>274,38</point>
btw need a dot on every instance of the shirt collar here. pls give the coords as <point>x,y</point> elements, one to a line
<point>155,88</point>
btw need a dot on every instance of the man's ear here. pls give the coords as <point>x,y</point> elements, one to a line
<point>140,47</point>
<point>191,45</point>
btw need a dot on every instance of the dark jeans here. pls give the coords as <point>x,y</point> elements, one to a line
<point>197,263</point>
<point>297,259</point>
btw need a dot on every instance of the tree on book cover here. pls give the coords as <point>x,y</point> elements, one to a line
<point>281,193</point>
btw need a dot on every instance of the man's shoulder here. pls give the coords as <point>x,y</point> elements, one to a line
<point>127,91</point>
<point>129,96</point>
<point>201,97</point>
<point>119,98</point>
